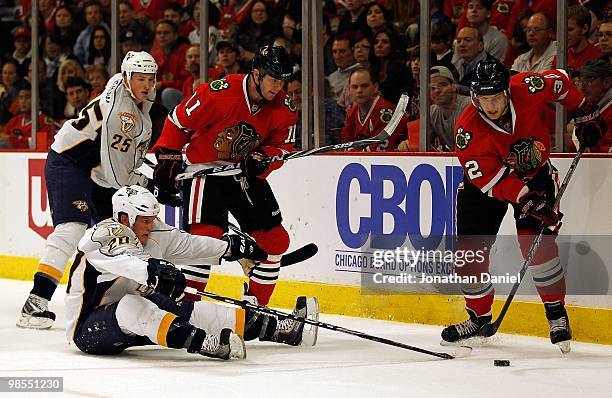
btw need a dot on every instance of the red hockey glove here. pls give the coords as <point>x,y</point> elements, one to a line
<point>590,126</point>
<point>534,205</point>
<point>255,163</point>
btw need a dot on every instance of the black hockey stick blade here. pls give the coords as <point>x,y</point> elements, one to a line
<point>329,326</point>
<point>234,168</point>
<point>299,255</point>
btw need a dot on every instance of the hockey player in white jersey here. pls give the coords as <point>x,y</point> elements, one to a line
<point>124,292</point>
<point>93,156</point>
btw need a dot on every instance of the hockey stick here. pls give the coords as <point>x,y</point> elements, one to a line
<point>490,329</point>
<point>271,311</point>
<point>383,135</point>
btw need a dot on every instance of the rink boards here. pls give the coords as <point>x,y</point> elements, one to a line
<point>344,203</point>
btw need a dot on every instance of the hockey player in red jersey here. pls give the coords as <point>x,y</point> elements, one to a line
<point>240,118</point>
<point>504,146</point>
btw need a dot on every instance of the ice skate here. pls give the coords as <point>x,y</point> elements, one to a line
<point>224,345</point>
<point>289,331</point>
<point>558,322</point>
<point>35,313</point>
<point>466,331</point>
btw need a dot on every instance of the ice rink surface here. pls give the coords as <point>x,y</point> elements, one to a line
<point>339,366</point>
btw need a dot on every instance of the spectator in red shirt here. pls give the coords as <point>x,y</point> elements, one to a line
<point>170,58</point>
<point>605,39</point>
<point>19,129</point>
<point>595,83</point>
<point>579,49</point>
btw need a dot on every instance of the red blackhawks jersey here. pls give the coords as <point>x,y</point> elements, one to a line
<point>482,146</point>
<point>221,125</point>
<point>19,129</point>
<point>356,128</point>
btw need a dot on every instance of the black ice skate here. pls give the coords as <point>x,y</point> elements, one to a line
<point>558,322</point>
<point>468,329</point>
<point>35,313</point>
<point>224,345</point>
<point>295,333</point>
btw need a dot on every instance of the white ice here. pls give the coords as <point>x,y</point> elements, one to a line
<point>340,365</point>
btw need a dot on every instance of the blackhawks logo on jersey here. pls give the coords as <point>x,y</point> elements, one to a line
<point>290,104</point>
<point>385,115</point>
<point>218,85</point>
<point>236,141</point>
<point>462,138</point>
<point>535,83</point>
<point>525,154</point>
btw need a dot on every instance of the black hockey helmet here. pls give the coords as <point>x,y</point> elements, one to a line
<point>490,77</point>
<point>273,61</point>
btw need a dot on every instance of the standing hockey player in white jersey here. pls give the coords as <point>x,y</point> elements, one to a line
<point>92,156</point>
<point>123,290</point>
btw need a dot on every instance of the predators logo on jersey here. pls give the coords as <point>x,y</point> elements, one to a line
<point>81,205</point>
<point>385,115</point>
<point>236,141</point>
<point>218,85</point>
<point>128,122</point>
<point>536,83</point>
<point>462,138</point>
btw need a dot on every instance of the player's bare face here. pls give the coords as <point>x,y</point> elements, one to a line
<point>142,84</point>
<point>494,106</point>
<point>142,228</point>
<point>270,87</point>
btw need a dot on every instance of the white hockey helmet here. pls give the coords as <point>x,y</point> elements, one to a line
<point>134,201</point>
<point>138,61</point>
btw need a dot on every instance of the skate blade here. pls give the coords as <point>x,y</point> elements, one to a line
<point>237,347</point>
<point>310,332</point>
<point>476,341</point>
<point>34,322</point>
<point>564,346</point>
<point>462,351</point>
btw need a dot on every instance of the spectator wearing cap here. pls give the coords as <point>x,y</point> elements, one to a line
<point>595,83</point>
<point>605,39</point>
<point>129,42</point>
<point>127,23</point>
<point>579,50</point>
<point>354,21</point>
<point>290,27</point>
<point>77,96</point>
<point>19,129</point>
<point>93,16</point>
<point>478,15</point>
<point>540,58</point>
<point>22,40</point>
<point>170,58</point>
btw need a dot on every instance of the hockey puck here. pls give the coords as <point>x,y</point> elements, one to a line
<point>501,362</point>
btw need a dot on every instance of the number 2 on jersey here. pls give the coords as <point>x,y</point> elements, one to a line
<point>472,167</point>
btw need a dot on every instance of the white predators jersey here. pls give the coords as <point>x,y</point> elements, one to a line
<point>110,137</point>
<point>111,262</point>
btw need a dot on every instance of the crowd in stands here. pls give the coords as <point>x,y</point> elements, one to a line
<point>371,56</point>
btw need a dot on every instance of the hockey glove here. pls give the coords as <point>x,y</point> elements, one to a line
<point>590,126</point>
<point>164,197</point>
<point>534,205</point>
<point>169,165</point>
<point>255,163</point>
<point>239,247</point>
<point>165,278</point>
